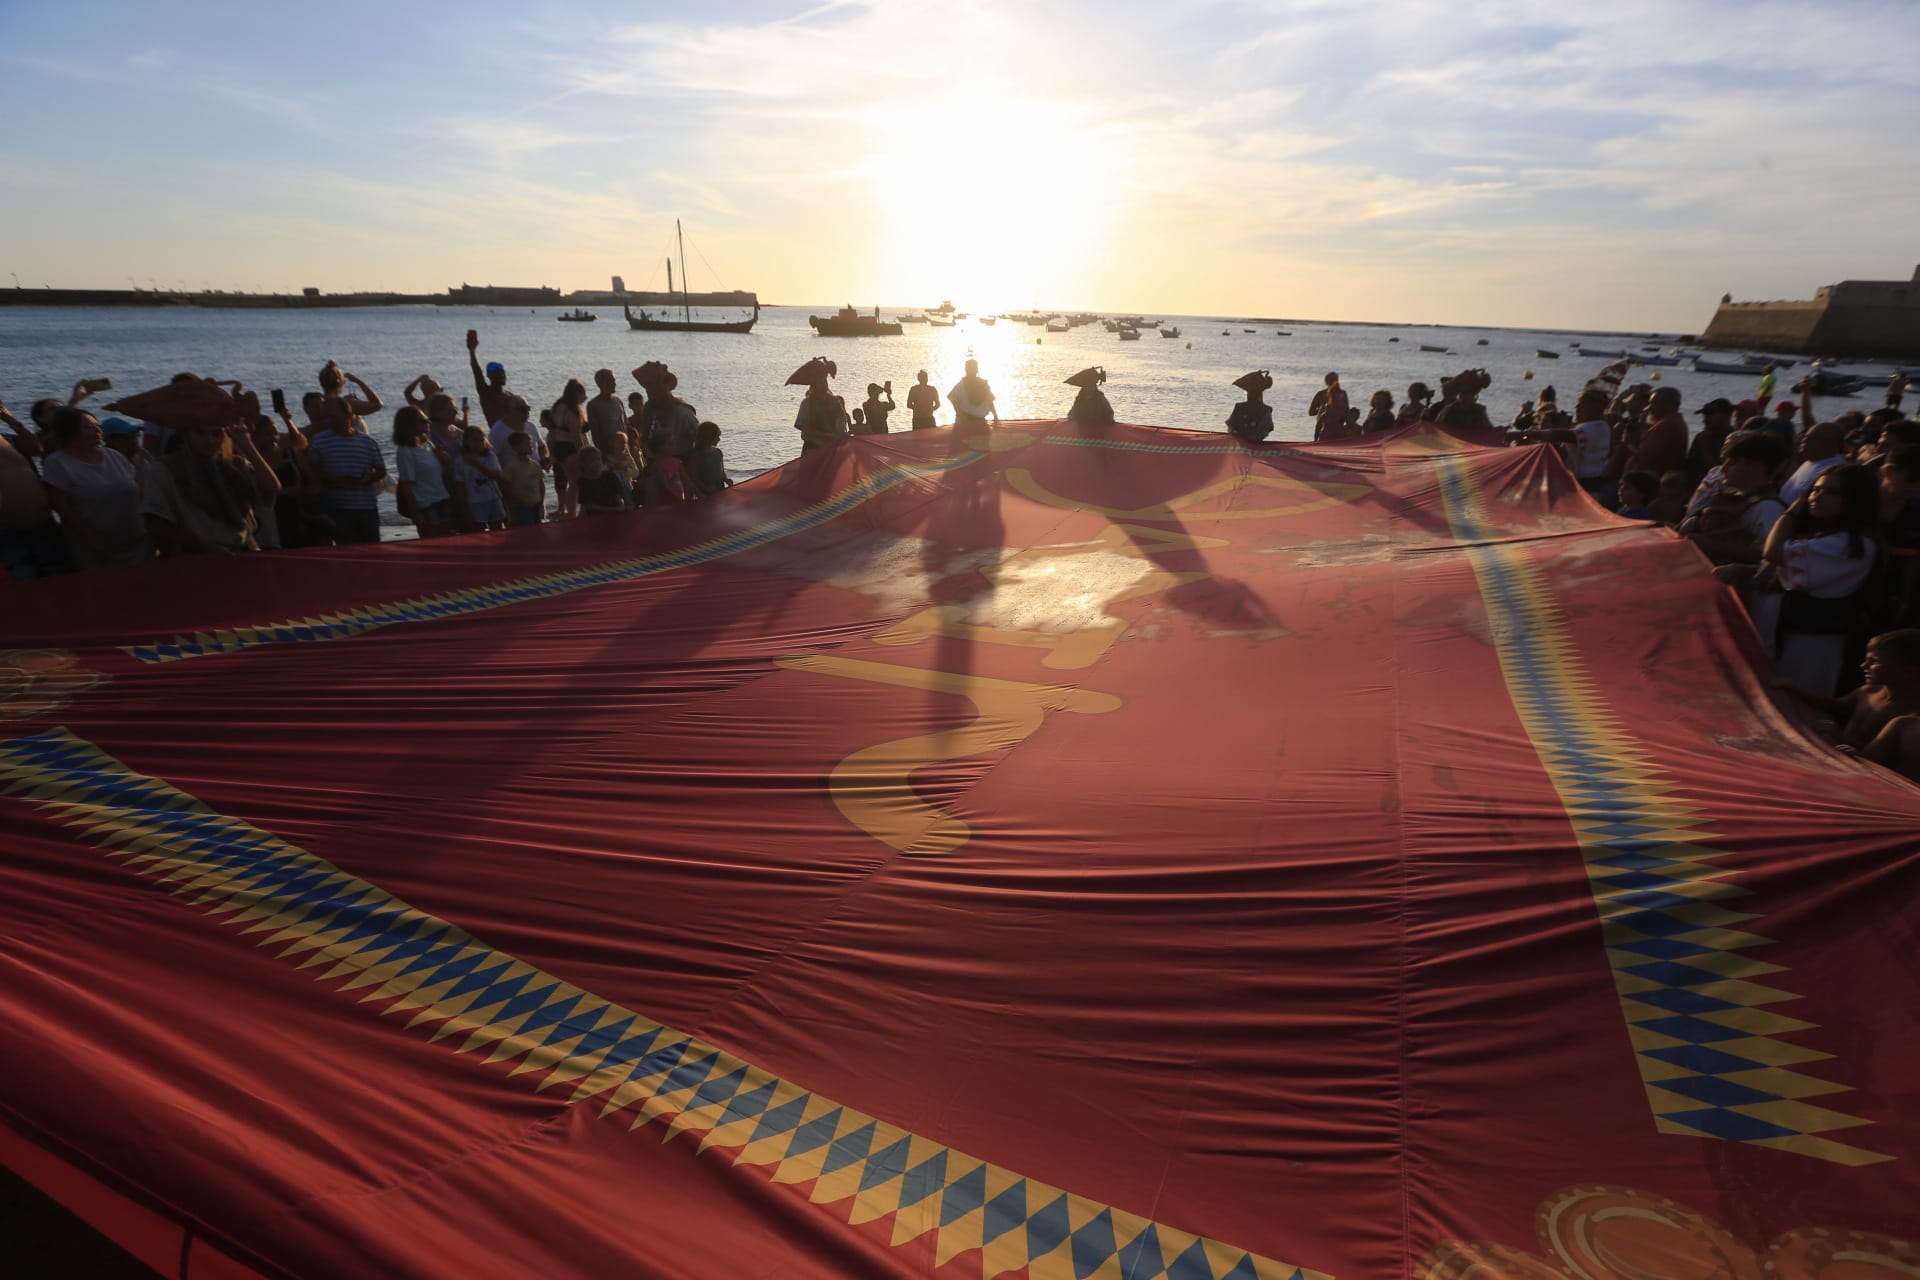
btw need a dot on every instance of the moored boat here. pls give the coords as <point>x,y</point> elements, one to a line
<point>686,323</point>
<point>1659,362</point>
<point>911,317</point>
<point>1171,331</point>
<point>941,322</point>
<point>1058,325</point>
<point>576,316</point>
<point>1427,346</point>
<point>848,323</point>
<point>1594,353</point>
<point>1544,354</point>
<point>1129,335</point>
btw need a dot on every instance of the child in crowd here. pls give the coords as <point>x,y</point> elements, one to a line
<point>480,479</point>
<point>423,495</point>
<point>1879,721</point>
<point>1669,505</point>
<point>1638,490</point>
<point>599,490</point>
<point>666,480</point>
<point>1379,412</point>
<point>709,466</point>
<point>524,481</point>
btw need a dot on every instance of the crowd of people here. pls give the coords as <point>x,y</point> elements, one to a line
<point>1815,522</point>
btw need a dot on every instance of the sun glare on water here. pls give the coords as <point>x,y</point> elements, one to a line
<point>998,209</point>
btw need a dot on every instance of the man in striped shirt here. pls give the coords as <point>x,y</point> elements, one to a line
<point>350,469</point>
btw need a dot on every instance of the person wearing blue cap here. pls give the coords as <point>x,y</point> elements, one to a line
<point>129,440</point>
<point>490,385</point>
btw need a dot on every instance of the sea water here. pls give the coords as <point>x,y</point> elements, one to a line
<point>738,380</point>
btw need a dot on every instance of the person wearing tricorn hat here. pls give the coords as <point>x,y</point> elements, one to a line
<point>822,419</point>
<point>1252,419</point>
<point>1091,404</point>
<point>668,424</point>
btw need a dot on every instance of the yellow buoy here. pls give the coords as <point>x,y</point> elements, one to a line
<point>1527,376</point>
<point>1656,376</point>
<point>1189,346</point>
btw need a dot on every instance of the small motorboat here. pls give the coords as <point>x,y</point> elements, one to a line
<point>576,316</point>
<point>1875,379</point>
<point>848,323</point>
<point>1288,333</point>
<point>1393,339</point>
<point>1171,331</point>
<point>1426,346</point>
<point>941,322</point>
<point>1703,365</point>
<point>1479,342</point>
<point>1661,362</point>
<point>911,317</point>
<point>1129,335</point>
<point>1226,333</point>
<point>988,319</point>
<point>1246,331</point>
<point>1058,324</point>
<point>1594,353</point>
<point>1544,354</point>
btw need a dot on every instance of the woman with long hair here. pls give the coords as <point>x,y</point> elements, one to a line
<point>95,492</point>
<point>565,439</point>
<point>1818,563</point>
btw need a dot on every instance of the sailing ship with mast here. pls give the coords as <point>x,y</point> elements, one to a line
<point>686,323</point>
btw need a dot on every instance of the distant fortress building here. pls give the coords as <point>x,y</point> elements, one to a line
<point>1852,318</point>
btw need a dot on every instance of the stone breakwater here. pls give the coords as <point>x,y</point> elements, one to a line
<point>1862,318</point>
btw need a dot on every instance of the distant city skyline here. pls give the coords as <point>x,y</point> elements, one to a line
<point>1472,163</point>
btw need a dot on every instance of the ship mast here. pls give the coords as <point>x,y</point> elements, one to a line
<point>685,314</point>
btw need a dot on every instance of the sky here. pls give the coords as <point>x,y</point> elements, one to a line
<point>1613,166</point>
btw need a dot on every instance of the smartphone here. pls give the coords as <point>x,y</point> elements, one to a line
<point>473,337</point>
<point>280,402</point>
<point>99,384</point>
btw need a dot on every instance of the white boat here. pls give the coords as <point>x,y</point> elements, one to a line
<point>911,317</point>
<point>1171,331</point>
<point>1657,361</point>
<point>1057,325</point>
<point>1703,365</point>
<point>1129,335</point>
<point>988,319</point>
<point>941,322</point>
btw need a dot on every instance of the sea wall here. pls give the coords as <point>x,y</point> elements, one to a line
<point>1785,327</point>
<point>1853,318</point>
<point>452,298</point>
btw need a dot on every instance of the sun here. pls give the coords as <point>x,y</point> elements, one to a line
<point>997,202</point>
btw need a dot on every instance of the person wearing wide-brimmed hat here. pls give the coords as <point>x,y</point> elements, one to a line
<point>1091,404</point>
<point>1252,419</point>
<point>822,419</point>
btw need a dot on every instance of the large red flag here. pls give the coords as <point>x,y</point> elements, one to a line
<point>1052,852</point>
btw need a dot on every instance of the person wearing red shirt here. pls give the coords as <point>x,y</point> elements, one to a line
<point>1663,445</point>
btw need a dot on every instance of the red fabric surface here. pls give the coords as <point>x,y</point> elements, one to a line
<point>1268,924</point>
